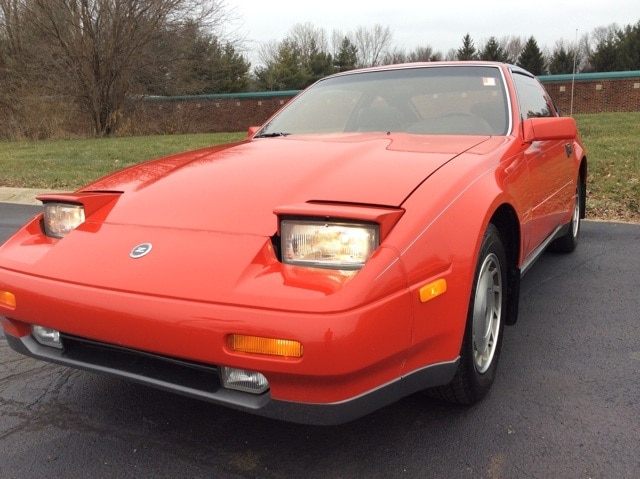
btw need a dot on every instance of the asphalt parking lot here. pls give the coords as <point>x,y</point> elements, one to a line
<point>565,403</point>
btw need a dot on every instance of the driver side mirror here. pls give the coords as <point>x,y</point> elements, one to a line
<point>549,128</point>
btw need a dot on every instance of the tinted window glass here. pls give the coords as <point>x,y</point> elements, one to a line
<point>532,98</point>
<point>456,100</point>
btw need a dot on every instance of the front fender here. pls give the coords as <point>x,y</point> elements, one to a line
<point>442,231</point>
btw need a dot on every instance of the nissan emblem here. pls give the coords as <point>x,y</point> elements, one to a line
<point>140,250</point>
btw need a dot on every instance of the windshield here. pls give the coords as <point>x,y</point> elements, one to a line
<point>442,100</point>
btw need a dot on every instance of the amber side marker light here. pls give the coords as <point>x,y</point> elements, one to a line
<point>433,290</point>
<point>270,346</point>
<point>8,299</point>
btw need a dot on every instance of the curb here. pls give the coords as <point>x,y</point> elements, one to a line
<point>22,196</point>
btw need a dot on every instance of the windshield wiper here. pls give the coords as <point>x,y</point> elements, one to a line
<point>272,135</point>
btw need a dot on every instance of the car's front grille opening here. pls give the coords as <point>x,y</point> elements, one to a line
<point>186,374</point>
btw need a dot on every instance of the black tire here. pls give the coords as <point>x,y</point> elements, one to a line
<point>482,339</point>
<point>569,241</point>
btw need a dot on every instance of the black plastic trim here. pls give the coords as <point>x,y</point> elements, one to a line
<point>187,378</point>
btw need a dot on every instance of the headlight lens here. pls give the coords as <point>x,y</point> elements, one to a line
<point>62,218</point>
<point>328,245</point>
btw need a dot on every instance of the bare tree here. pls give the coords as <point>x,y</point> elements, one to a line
<point>394,57</point>
<point>24,113</point>
<point>585,51</point>
<point>97,47</point>
<point>309,38</point>
<point>452,54</point>
<point>337,37</point>
<point>268,52</point>
<point>424,54</point>
<point>513,47</point>
<point>372,44</point>
<point>10,25</point>
<point>604,33</point>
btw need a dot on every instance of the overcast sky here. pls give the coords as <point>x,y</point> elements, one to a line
<point>438,24</point>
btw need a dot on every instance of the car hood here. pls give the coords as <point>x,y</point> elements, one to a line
<point>235,188</point>
<point>209,218</point>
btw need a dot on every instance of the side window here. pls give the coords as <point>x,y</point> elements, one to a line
<point>532,97</point>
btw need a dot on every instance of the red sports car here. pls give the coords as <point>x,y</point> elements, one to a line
<point>364,244</point>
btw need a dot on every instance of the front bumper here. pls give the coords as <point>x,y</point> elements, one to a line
<point>352,365</point>
<point>201,381</point>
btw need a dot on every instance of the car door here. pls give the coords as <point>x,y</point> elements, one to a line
<point>549,163</point>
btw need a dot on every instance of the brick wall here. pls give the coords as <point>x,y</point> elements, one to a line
<point>204,114</point>
<point>594,93</point>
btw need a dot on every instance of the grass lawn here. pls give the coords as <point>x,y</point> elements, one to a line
<point>612,141</point>
<point>70,164</point>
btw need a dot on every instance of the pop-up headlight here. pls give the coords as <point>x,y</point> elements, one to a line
<point>336,245</point>
<point>62,218</point>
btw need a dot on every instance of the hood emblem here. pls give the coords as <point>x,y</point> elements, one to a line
<point>140,250</point>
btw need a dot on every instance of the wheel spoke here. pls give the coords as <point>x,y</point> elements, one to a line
<point>576,213</point>
<point>487,312</point>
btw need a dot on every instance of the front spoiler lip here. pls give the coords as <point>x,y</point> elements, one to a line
<point>264,405</point>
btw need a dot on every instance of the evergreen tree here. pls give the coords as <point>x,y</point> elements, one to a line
<point>616,49</point>
<point>287,71</point>
<point>493,51</point>
<point>192,61</point>
<point>531,58</point>
<point>319,63</point>
<point>562,61</point>
<point>629,46</point>
<point>347,57</point>
<point>232,72</point>
<point>296,62</point>
<point>605,57</point>
<point>467,51</point>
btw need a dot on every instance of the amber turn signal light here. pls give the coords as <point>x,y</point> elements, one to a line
<point>7,299</point>
<point>270,346</point>
<point>433,290</point>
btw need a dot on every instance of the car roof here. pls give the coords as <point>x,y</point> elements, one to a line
<point>406,66</point>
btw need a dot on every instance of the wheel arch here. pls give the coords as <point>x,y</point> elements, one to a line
<point>505,219</point>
